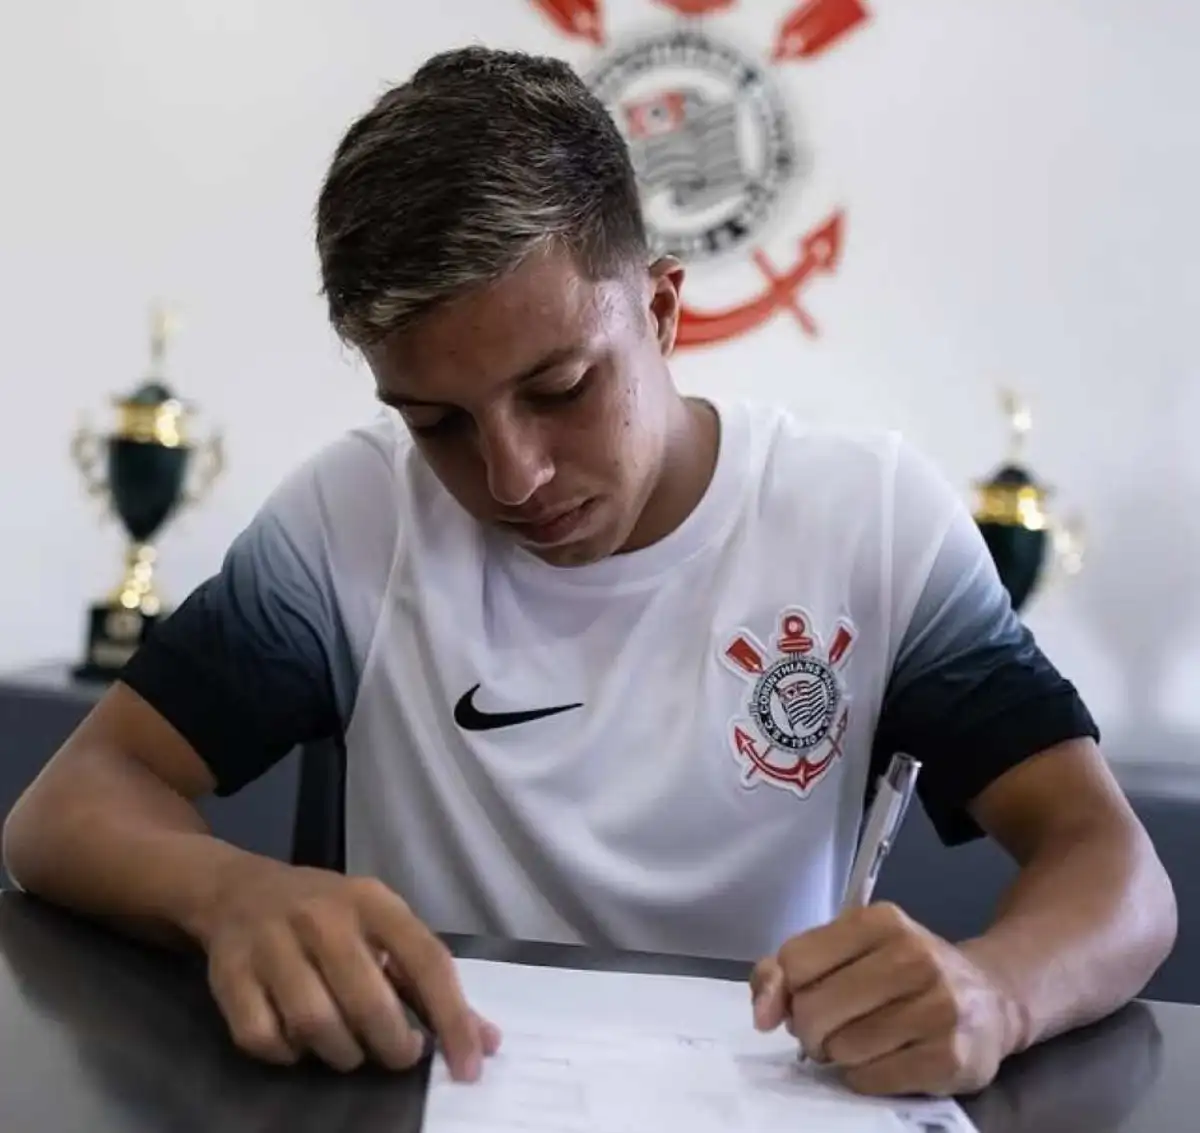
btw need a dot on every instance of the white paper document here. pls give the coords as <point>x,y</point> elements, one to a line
<point>611,1052</point>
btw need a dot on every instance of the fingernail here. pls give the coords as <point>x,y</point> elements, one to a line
<point>416,1049</point>
<point>760,1010</point>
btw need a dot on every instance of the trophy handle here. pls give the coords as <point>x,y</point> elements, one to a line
<point>87,451</point>
<point>210,465</point>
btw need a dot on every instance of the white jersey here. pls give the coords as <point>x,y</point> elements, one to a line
<point>666,750</point>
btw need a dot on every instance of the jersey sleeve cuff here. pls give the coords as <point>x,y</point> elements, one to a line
<point>202,709</point>
<point>971,761</point>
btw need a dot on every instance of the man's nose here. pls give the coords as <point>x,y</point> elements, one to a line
<point>516,460</point>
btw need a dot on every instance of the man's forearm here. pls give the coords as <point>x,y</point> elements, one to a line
<point>115,844</point>
<point>1081,930</point>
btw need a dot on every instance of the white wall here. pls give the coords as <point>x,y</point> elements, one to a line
<point>1021,179</point>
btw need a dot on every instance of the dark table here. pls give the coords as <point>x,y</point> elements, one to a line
<point>98,1035</point>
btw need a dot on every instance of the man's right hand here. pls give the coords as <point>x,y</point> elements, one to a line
<point>307,961</point>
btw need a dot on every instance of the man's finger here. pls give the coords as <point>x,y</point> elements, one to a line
<point>859,990</point>
<point>902,1023</point>
<point>920,1068</point>
<point>253,1024</point>
<point>368,1000</point>
<point>814,954</point>
<point>311,1017</point>
<point>424,968</point>
<point>489,1034</point>
<point>459,1029</point>
<point>769,994</point>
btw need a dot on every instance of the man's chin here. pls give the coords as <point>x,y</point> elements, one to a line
<point>577,554</point>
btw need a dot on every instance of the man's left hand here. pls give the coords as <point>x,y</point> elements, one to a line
<point>897,1009</point>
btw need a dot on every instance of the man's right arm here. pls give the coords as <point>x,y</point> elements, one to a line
<point>299,961</point>
<point>254,662</point>
<point>110,827</point>
<point>258,659</point>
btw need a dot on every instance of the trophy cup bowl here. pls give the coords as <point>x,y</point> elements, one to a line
<point>146,483</point>
<point>146,463</point>
<point>1011,517</point>
<point>1011,512</point>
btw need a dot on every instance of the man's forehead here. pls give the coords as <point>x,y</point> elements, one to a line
<point>513,329</point>
<point>462,385</point>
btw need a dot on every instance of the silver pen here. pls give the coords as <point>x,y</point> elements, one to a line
<point>891,800</point>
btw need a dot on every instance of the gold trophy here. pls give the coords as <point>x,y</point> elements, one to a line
<point>141,471</point>
<point>1011,510</point>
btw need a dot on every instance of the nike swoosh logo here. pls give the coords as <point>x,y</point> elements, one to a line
<point>471,719</point>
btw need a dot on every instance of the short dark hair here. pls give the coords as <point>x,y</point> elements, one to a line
<point>452,179</point>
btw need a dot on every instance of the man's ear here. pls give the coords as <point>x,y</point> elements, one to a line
<point>666,280</point>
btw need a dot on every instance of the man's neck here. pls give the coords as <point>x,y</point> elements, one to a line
<point>689,460</point>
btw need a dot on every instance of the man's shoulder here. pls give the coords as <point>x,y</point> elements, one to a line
<point>343,480</point>
<point>796,455</point>
<point>361,457</point>
<point>843,484</point>
<point>339,511</point>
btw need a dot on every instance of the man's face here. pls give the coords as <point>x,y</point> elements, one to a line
<point>543,402</point>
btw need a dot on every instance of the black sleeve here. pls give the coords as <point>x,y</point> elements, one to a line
<point>255,660</point>
<point>970,694</point>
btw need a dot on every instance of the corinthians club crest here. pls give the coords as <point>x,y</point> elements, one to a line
<point>797,709</point>
<point>715,148</point>
<point>710,138</point>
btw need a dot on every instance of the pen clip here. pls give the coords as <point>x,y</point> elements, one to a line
<point>895,791</point>
<point>881,852</point>
<point>901,776</point>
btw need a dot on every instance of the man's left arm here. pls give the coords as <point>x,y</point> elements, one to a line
<point>1091,913</point>
<point>1008,749</point>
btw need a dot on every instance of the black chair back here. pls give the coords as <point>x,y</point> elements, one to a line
<point>319,826</point>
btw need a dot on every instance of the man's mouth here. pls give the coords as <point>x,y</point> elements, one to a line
<point>549,529</point>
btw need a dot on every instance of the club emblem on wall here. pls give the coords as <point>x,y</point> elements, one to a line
<point>718,152</point>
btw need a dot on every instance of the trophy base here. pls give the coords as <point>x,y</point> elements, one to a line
<point>114,634</point>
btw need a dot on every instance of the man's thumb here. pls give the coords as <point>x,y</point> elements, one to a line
<point>769,994</point>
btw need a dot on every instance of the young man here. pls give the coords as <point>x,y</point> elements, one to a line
<point>610,664</point>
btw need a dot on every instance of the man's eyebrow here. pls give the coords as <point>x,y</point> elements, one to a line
<point>548,361</point>
<point>398,401</point>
